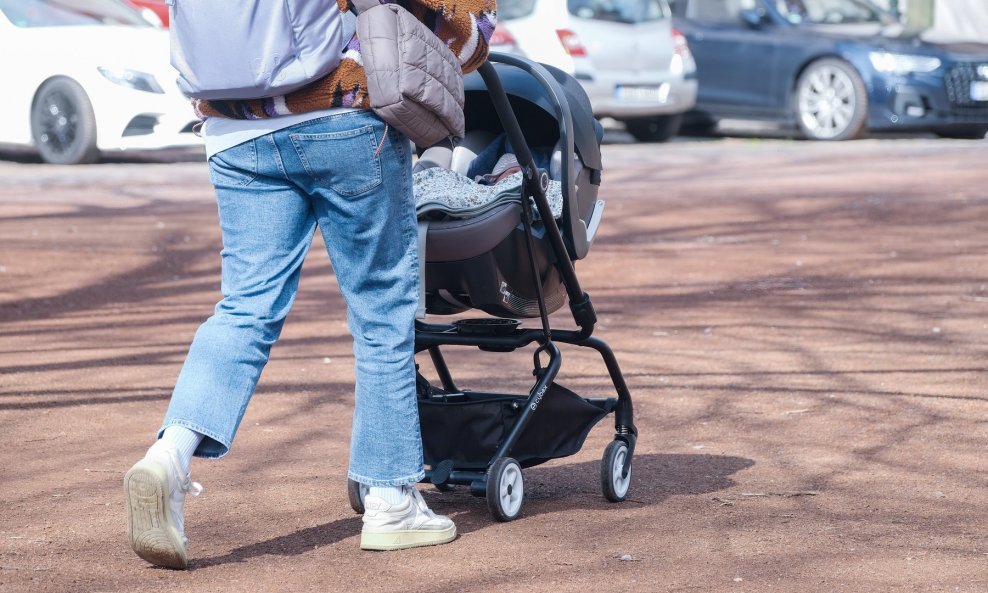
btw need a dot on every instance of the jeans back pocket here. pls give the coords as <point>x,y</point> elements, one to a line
<point>235,166</point>
<point>345,161</point>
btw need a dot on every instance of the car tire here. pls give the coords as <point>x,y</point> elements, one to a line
<point>698,125</point>
<point>63,125</point>
<point>654,129</point>
<point>830,101</point>
<point>963,132</point>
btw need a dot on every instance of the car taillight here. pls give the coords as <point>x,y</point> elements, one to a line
<point>679,44</point>
<point>682,59</point>
<point>501,36</point>
<point>571,43</point>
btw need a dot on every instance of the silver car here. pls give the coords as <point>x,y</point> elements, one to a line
<point>634,66</point>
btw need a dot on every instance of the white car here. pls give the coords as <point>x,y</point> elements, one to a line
<point>86,77</point>
<point>634,66</point>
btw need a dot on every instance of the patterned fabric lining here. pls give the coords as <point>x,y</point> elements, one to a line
<point>441,193</point>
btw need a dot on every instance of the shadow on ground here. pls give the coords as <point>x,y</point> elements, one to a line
<point>657,476</point>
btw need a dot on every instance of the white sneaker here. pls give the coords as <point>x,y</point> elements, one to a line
<point>408,524</point>
<point>155,490</point>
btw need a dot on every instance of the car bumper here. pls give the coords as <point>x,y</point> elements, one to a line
<point>133,120</point>
<point>641,98</point>
<point>932,101</point>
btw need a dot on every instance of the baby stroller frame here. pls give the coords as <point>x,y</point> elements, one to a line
<point>528,436</point>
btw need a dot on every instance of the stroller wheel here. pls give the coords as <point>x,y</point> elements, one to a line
<point>355,491</point>
<point>505,489</point>
<point>615,486</point>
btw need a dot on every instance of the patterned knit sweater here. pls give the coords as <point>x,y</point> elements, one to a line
<point>465,25</point>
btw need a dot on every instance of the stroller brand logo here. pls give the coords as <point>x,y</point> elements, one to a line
<point>539,396</point>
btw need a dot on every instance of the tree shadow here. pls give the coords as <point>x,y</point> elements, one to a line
<point>657,477</point>
<point>568,486</point>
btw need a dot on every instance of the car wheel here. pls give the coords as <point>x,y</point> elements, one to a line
<point>654,129</point>
<point>698,125</point>
<point>62,123</point>
<point>831,102</point>
<point>963,132</point>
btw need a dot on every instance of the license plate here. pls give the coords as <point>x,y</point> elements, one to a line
<point>979,91</point>
<point>643,93</point>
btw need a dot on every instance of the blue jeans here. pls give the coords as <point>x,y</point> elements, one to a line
<point>351,176</point>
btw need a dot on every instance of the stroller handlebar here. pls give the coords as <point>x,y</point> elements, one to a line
<point>534,181</point>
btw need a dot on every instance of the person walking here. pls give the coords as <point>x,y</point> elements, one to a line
<point>311,157</point>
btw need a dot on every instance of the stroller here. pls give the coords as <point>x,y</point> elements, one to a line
<point>514,261</point>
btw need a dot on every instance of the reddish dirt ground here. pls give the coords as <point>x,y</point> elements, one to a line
<point>803,327</point>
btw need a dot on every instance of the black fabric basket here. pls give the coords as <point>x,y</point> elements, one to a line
<point>466,428</point>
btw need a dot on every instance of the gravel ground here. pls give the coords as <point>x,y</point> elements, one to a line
<point>803,327</point>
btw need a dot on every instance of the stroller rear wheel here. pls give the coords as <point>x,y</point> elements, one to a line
<point>612,481</point>
<point>356,491</point>
<point>505,489</point>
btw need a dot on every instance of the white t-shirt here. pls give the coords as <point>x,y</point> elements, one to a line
<point>220,133</point>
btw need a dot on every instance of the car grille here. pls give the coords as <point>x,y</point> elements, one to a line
<point>958,82</point>
<point>141,125</point>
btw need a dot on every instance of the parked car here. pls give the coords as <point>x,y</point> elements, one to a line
<point>834,68</point>
<point>96,78</point>
<point>503,41</point>
<point>158,10</point>
<point>635,67</point>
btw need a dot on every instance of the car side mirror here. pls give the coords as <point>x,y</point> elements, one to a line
<point>753,17</point>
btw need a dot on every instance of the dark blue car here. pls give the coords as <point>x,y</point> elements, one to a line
<point>834,68</point>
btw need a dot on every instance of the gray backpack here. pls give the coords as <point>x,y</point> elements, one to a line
<point>249,49</point>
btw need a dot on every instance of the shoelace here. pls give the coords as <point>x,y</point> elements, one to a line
<point>185,485</point>
<point>420,502</point>
<point>176,504</point>
<point>190,487</point>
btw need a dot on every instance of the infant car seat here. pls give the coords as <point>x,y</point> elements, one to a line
<point>483,261</point>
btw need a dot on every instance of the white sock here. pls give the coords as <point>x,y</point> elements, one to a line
<point>390,494</point>
<point>184,440</point>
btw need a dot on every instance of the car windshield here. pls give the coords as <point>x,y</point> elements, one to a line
<point>829,12</point>
<point>620,11</point>
<point>514,9</point>
<point>63,13</point>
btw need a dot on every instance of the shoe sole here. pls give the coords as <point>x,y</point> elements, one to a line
<point>149,526</point>
<point>400,540</point>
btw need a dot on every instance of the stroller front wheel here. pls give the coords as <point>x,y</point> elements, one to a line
<point>614,484</point>
<point>505,489</point>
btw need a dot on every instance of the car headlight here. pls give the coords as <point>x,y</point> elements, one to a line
<point>132,79</point>
<point>890,63</point>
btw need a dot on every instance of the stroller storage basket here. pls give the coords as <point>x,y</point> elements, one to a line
<point>466,428</point>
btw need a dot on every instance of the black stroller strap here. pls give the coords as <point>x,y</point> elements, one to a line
<point>526,210</point>
<point>423,234</point>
